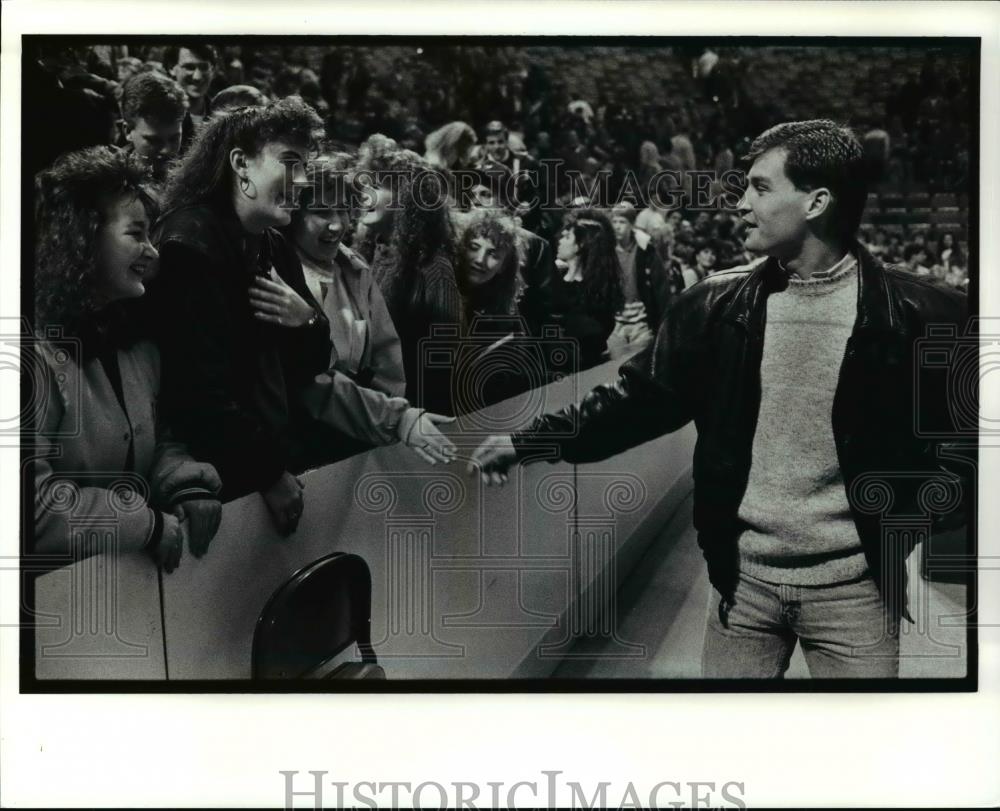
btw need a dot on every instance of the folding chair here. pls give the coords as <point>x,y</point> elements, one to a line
<point>312,618</point>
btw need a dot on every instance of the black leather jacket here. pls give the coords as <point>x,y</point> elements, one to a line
<point>705,366</point>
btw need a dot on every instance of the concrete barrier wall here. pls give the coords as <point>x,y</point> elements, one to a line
<point>468,581</point>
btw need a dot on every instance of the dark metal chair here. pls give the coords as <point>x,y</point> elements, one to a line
<point>312,618</point>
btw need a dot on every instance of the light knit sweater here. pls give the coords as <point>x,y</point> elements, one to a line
<point>798,526</point>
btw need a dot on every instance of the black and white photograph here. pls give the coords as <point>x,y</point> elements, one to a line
<point>374,365</point>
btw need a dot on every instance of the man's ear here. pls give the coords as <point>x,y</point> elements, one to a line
<point>126,128</point>
<point>820,201</point>
<point>238,161</point>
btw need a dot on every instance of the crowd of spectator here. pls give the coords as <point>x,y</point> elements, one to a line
<point>292,324</point>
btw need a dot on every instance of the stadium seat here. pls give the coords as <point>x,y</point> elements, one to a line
<point>944,200</point>
<point>949,217</point>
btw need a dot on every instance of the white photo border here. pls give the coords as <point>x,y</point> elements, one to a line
<point>793,750</point>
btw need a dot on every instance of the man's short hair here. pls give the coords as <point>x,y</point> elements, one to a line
<point>624,209</point>
<point>153,97</point>
<point>494,128</point>
<point>200,49</point>
<point>821,153</point>
<point>912,250</point>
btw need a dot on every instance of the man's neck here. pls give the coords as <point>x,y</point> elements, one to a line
<point>815,257</point>
<point>627,243</point>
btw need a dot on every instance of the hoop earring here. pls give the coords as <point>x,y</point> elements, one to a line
<point>245,185</point>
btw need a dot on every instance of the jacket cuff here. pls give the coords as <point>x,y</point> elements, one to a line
<point>192,494</point>
<point>531,447</point>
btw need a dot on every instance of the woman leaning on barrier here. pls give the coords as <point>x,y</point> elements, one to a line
<point>362,393</point>
<point>240,332</point>
<point>100,451</point>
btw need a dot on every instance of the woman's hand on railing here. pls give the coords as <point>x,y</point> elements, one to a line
<point>277,303</point>
<point>202,517</point>
<point>285,503</point>
<point>418,430</point>
<point>170,548</point>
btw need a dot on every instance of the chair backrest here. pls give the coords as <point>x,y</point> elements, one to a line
<point>320,610</point>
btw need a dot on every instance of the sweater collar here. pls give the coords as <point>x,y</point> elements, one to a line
<point>876,309</point>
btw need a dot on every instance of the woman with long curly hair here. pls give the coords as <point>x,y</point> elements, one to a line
<point>410,243</point>
<point>488,260</point>
<point>500,358</point>
<point>97,376</point>
<point>241,334</point>
<point>586,287</point>
<point>362,394</point>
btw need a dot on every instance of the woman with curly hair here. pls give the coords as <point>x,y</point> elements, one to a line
<point>241,333</point>
<point>409,240</point>
<point>97,377</point>
<point>586,287</point>
<point>488,261</point>
<point>362,394</point>
<point>500,358</point>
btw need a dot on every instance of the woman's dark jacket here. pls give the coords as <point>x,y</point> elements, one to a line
<point>586,322</point>
<point>893,420</point>
<point>428,315</point>
<point>230,380</point>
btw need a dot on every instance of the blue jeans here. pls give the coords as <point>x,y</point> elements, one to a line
<point>844,630</point>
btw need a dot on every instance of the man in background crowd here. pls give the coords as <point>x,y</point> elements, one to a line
<point>153,108</point>
<point>193,66</point>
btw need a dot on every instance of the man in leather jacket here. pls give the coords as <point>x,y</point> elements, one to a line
<point>801,374</point>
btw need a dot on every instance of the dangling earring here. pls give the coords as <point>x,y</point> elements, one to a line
<point>245,185</point>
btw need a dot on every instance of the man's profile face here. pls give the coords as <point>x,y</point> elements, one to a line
<point>496,146</point>
<point>156,142</point>
<point>773,207</point>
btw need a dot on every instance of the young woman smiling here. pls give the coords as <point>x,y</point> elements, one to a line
<point>499,358</point>
<point>97,376</point>
<point>241,334</point>
<point>362,393</point>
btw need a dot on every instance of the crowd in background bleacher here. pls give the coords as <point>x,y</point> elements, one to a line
<point>612,110</point>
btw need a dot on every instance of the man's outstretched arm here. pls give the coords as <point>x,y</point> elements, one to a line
<point>610,419</point>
